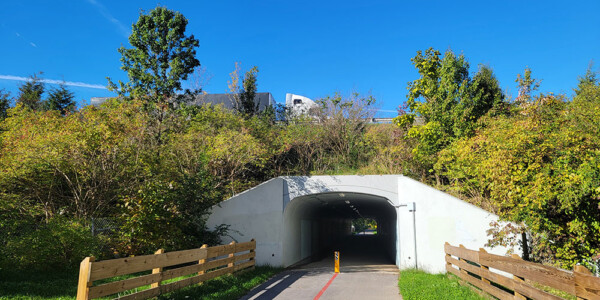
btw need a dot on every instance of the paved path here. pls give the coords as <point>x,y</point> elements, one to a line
<point>364,274</point>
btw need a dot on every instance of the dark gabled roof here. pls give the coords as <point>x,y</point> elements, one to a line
<point>264,99</point>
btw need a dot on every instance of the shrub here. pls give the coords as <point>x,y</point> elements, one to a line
<point>59,244</point>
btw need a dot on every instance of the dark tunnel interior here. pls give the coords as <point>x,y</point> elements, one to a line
<point>318,224</point>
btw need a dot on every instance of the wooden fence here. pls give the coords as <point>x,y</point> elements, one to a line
<point>206,263</point>
<point>527,278</point>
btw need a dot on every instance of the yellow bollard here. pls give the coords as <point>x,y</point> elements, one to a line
<point>337,262</point>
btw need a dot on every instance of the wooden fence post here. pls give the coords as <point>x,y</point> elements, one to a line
<point>448,265</point>
<point>83,287</point>
<point>253,258</point>
<point>481,250</point>
<point>202,260</point>
<point>462,271</point>
<point>578,271</point>
<point>157,271</point>
<point>518,279</point>
<point>231,264</point>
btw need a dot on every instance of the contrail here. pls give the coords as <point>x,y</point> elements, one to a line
<point>53,81</point>
<point>108,16</point>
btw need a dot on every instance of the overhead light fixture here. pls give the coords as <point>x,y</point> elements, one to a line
<point>347,202</point>
<point>342,195</point>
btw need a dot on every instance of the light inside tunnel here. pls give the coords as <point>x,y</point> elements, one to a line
<point>318,224</point>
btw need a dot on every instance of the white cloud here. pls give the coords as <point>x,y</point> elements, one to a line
<point>32,44</point>
<point>106,14</point>
<point>54,81</point>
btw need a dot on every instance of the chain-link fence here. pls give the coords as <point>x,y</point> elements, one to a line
<point>103,225</point>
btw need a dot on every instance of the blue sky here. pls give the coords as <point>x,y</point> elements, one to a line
<point>312,48</point>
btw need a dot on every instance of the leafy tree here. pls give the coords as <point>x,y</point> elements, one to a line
<point>448,101</point>
<point>435,97</point>
<point>234,87</point>
<point>539,168</point>
<point>162,56</point>
<point>30,92</point>
<point>100,162</point>
<point>170,215</point>
<point>243,98</point>
<point>526,85</point>
<point>60,99</point>
<point>4,103</point>
<point>343,121</point>
<point>233,144</point>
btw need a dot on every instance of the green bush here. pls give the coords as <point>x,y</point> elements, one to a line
<point>58,244</point>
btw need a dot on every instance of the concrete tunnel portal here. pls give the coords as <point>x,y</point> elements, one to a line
<point>315,225</point>
<point>301,219</point>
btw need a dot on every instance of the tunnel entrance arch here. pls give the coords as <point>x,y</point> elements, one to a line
<point>317,224</point>
<point>294,218</point>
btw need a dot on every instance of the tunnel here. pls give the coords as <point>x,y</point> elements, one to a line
<point>316,225</point>
<point>301,219</point>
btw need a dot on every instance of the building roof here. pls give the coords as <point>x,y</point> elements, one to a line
<point>264,100</point>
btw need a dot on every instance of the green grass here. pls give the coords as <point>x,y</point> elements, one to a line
<point>63,285</point>
<point>416,284</point>
<point>226,287</point>
<point>38,285</point>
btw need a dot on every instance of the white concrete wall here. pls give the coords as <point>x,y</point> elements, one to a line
<point>260,212</point>
<point>256,213</point>
<point>380,185</point>
<point>439,218</point>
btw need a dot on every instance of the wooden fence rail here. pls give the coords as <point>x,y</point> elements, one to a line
<point>204,263</point>
<point>527,277</point>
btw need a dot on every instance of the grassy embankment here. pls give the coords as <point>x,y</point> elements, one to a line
<point>63,286</point>
<point>416,284</point>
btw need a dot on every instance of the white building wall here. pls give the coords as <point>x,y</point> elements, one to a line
<point>301,108</point>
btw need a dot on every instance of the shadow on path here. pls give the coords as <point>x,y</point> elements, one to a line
<point>274,286</point>
<point>366,273</point>
<point>358,253</point>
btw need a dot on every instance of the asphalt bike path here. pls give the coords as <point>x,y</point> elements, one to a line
<point>365,273</point>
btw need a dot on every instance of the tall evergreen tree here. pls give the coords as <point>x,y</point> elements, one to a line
<point>590,78</point>
<point>4,103</point>
<point>249,107</point>
<point>60,99</point>
<point>30,92</point>
<point>484,95</point>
